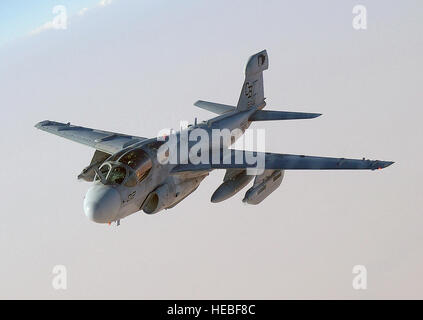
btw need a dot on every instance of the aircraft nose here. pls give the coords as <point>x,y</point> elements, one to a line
<point>102,203</point>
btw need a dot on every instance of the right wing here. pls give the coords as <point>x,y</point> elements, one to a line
<point>239,159</point>
<point>105,141</point>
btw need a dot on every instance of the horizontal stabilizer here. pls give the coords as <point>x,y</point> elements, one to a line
<point>214,107</point>
<point>266,115</point>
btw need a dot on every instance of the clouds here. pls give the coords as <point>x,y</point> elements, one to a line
<point>82,11</point>
<point>46,26</point>
<point>59,22</point>
<point>103,3</point>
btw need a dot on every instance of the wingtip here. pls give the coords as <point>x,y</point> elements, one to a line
<point>311,115</point>
<point>41,124</point>
<point>388,163</point>
<point>384,164</point>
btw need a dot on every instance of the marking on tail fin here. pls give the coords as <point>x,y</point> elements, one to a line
<point>252,92</point>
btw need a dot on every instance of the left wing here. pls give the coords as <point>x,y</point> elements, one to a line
<point>239,159</point>
<point>105,141</point>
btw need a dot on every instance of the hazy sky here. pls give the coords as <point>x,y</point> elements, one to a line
<point>137,67</point>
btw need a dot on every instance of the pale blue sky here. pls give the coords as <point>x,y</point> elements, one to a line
<point>19,17</point>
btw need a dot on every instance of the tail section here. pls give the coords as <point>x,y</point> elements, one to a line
<point>252,93</point>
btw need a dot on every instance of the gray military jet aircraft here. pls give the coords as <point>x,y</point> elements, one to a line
<point>130,173</point>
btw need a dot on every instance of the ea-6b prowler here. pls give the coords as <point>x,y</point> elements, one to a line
<point>130,174</point>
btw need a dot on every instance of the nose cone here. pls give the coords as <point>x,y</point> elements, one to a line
<point>102,203</point>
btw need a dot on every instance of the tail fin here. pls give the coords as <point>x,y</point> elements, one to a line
<point>252,93</point>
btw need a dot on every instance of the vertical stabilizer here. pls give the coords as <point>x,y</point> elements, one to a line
<point>252,93</point>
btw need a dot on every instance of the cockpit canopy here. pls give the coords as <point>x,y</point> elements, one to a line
<point>129,169</point>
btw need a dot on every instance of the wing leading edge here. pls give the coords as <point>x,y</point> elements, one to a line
<point>237,159</point>
<point>105,141</point>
